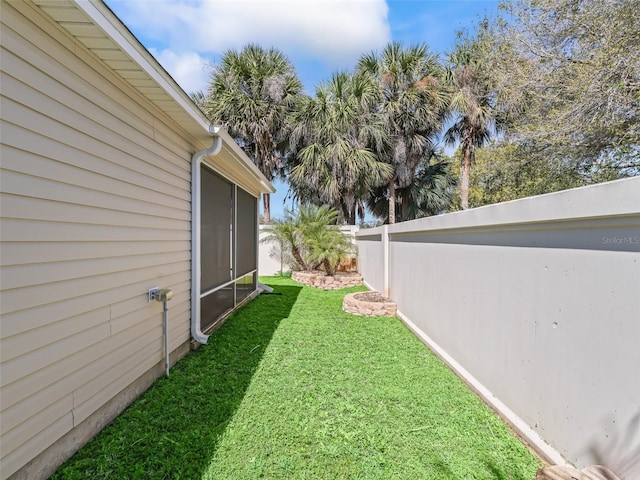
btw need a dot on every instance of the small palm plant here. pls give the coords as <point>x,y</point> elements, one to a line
<point>288,234</point>
<point>313,238</point>
<point>328,247</point>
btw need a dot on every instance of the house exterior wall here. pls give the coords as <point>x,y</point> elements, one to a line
<point>535,303</point>
<point>95,207</point>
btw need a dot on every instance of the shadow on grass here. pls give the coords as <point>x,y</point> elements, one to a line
<point>444,471</point>
<point>173,430</point>
<point>500,474</point>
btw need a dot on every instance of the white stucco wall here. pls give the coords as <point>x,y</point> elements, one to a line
<point>536,301</point>
<point>370,257</point>
<point>269,261</point>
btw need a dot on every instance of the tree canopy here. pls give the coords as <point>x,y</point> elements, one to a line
<point>412,100</point>
<point>472,108</point>
<point>569,74</point>
<point>544,97</point>
<point>335,136</point>
<point>252,93</point>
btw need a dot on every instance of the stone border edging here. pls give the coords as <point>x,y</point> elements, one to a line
<point>320,280</point>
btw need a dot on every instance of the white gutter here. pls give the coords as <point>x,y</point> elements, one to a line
<point>196,160</point>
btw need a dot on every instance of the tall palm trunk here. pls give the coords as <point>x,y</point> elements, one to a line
<point>392,201</point>
<point>349,204</point>
<point>465,168</point>
<point>352,214</point>
<point>406,201</point>
<point>266,202</point>
<point>464,180</point>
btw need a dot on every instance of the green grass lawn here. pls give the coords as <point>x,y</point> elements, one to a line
<point>291,387</point>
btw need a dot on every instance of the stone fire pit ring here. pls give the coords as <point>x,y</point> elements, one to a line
<point>369,304</point>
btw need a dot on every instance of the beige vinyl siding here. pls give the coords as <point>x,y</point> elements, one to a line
<point>95,204</point>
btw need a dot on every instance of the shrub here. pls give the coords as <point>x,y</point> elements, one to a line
<point>311,238</point>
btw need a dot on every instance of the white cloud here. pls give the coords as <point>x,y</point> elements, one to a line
<point>188,69</point>
<point>335,32</point>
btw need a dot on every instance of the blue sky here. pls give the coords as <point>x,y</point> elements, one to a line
<point>318,36</point>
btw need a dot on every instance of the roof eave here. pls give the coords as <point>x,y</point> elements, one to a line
<point>197,125</point>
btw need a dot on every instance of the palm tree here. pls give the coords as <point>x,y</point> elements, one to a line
<point>334,163</point>
<point>287,232</point>
<point>324,243</point>
<point>312,237</point>
<point>430,193</point>
<point>251,93</point>
<point>328,247</point>
<point>472,105</point>
<point>412,101</point>
<point>199,98</point>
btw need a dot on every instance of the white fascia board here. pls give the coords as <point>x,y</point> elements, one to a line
<point>125,40</point>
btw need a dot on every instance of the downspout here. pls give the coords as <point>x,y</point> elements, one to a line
<point>196,160</point>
